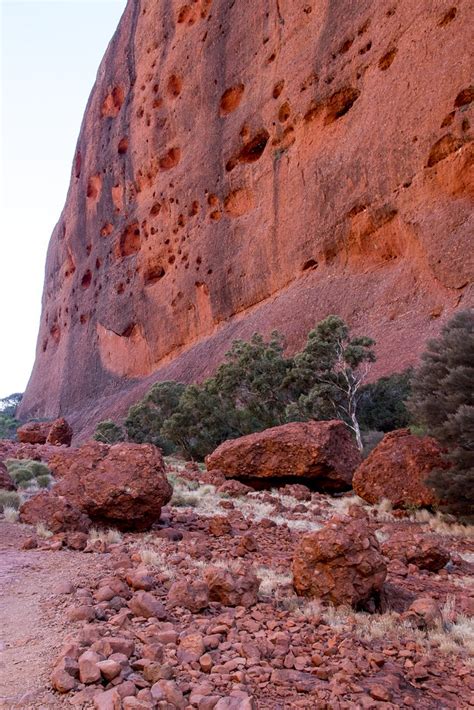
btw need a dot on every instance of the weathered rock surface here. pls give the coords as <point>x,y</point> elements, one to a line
<point>323,453</point>
<point>60,433</point>
<point>341,563</point>
<point>55,433</point>
<point>228,181</point>
<point>6,481</point>
<point>33,432</point>
<point>424,551</point>
<point>232,587</point>
<point>122,486</point>
<point>397,469</point>
<point>57,512</point>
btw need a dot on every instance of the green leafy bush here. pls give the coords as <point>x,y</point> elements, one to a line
<point>382,404</point>
<point>442,403</point>
<point>108,432</point>
<point>145,420</point>
<point>8,426</point>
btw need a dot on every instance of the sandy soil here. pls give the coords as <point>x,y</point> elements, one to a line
<point>31,617</point>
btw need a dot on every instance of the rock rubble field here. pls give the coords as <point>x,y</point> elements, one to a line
<point>230,597</point>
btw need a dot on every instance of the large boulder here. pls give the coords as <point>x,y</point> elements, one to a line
<point>33,432</point>
<point>55,511</point>
<point>323,453</point>
<point>341,563</point>
<point>56,433</point>
<point>123,486</point>
<point>60,433</point>
<point>397,469</point>
<point>6,481</point>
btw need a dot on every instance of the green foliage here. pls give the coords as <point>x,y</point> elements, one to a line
<point>258,387</point>
<point>108,432</point>
<point>329,372</point>
<point>9,405</point>
<point>254,379</point>
<point>370,440</point>
<point>145,420</point>
<point>442,403</point>
<point>382,404</point>
<point>9,499</point>
<point>203,419</point>
<point>8,426</point>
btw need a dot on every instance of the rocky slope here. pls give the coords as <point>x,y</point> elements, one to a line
<point>245,166</point>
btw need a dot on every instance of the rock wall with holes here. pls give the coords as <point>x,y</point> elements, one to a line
<point>246,165</point>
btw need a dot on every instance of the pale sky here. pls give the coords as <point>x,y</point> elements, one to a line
<point>50,53</point>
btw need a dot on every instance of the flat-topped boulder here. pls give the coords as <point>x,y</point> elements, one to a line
<point>320,454</point>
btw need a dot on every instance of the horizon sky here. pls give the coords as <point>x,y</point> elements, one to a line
<point>50,54</point>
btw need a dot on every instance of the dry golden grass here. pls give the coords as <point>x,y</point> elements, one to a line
<point>271,582</point>
<point>10,514</point>
<point>42,531</point>
<point>110,536</point>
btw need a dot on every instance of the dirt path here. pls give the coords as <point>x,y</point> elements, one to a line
<point>32,612</point>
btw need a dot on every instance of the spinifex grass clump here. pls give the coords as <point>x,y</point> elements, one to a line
<point>27,473</point>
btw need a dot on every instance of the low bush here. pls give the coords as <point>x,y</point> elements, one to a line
<point>27,472</point>
<point>108,432</point>
<point>9,499</point>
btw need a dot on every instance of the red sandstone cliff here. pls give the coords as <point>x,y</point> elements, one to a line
<point>245,165</point>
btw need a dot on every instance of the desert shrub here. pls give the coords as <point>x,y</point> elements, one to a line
<point>442,403</point>
<point>257,387</point>
<point>382,404</point>
<point>44,481</point>
<point>254,379</point>
<point>22,475</point>
<point>108,432</point>
<point>145,420</point>
<point>10,514</point>
<point>8,426</point>
<point>37,468</point>
<point>9,499</point>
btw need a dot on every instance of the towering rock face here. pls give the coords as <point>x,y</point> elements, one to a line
<point>250,165</point>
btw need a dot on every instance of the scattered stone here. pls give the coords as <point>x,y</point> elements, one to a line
<point>219,525</point>
<point>341,563</point>
<point>234,489</point>
<point>424,551</point>
<point>33,432</point>
<point>238,587</point>
<point>192,595</point>
<point>144,604</point>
